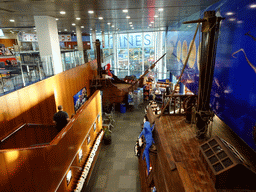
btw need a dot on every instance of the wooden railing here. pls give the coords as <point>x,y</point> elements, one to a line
<point>176,105</point>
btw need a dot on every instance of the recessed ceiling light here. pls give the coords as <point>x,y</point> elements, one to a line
<point>253,6</point>
<point>160,9</point>
<point>189,26</point>
<point>232,19</point>
<point>90,12</point>
<point>229,13</point>
<point>62,12</point>
<point>65,29</point>
<point>73,24</point>
<point>34,28</point>
<point>100,18</point>
<point>150,25</point>
<point>152,22</point>
<point>239,22</point>
<point>128,17</point>
<point>91,29</point>
<point>130,23</point>
<point>78,18</point>
<point>12,20</point>
<point>109,23</point>
<point>125,10</point>
<point>59,31</point>
<point>156,16</point>
<point>82,26</point>
<point>56,19</point>
<point>113,25</point>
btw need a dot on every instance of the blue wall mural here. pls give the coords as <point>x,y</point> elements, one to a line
<point>233,96</point>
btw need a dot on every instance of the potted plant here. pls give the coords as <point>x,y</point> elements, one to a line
<point>107,135</point>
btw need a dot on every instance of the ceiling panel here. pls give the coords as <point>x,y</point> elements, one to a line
<point>141,13</point>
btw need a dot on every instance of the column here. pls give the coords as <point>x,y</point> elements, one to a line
<point>48,41</point>
<point>79,40</point>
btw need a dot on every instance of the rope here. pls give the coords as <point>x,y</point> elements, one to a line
<point>185,64</point>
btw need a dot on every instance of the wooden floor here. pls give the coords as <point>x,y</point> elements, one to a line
<point>180,141</point>
<point>184,148</point>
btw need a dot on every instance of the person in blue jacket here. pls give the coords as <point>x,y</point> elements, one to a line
<point>147,132</point>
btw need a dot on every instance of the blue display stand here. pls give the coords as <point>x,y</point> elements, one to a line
<point>122,108</point>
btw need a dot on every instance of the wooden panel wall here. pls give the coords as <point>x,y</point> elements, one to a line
<point>8,42</point>
<point>44,169</point>
<point>38,102</point>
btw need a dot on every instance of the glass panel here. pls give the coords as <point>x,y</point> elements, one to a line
<point>222,155</point>
<point>217,149</point>
<point>213,142</point>
<point>209,153</point>
<point>218,167</point>
<point>213,159</point>
<point>227,162</point>
<point>205,147</point>
<point>135,58</point>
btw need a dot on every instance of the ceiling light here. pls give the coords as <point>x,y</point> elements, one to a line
<point>125,10</point>
<point>62,12</point>
<point>253,6</point>
<point>78,18</point>
<point>239,22</point>
<point>113,25</point>
<point>152,22</point>
<point>150,25</point>
<point>130,23</point>
<point>128,17</point>
<point>34,28</point>
<point>12,20</point>
<point>160,9</point>
<point>65,29</point>
<point>90,12</point>
<point>23,31</point>
<point>232,19</point>
<point>56,19</point>
<point>91,29</point>
<point>189,26</point>
<point>133,28</point>
<point>73,24</point>
<point>108,23</point>
<point>229,13</point>
<point>82,27</point>
<point>155,16</point>
<point>59,31</point>
<point>73,31</point>
<point>100,18</point>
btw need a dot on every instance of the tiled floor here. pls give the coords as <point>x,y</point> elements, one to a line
<point>116,169</point>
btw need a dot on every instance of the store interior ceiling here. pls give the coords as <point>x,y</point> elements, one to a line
<point>122,16</point>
